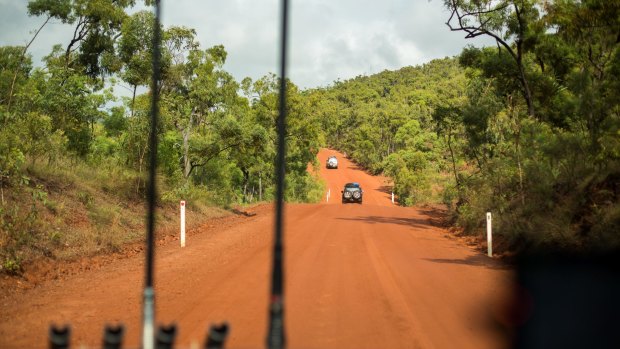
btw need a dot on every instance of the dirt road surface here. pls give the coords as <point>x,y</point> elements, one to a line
<point>374,275</point>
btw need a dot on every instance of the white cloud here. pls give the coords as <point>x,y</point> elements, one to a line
<point>328,40</point>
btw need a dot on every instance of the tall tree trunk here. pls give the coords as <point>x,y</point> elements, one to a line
<point>2,188</point>
<point>186,163</point>
<point>133,99</point>
<point>141,156</point>
<point>518,148</point>
<point>456,177</point>
<point>80,31</point>
<point>187,166</point>
<point>246,179</point>
<point>527,94</point>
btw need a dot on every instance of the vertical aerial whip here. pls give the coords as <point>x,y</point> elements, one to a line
<point>148,330</point>
<point>276,336</point>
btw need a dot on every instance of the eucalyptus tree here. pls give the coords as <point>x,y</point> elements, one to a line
<point>566,53</point>
<point>22,56</point>
<point>197,97</point>
<point>254,152</point>
<point>97,25</point>
<point>15,67</point>
<point>70,99</point>
<point>303,137</point>
<point>135,51</point>
<point>583,54</point>
<point>511,23</point>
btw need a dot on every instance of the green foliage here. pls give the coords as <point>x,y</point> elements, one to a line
<point>11,157</point>
<point>135,48</point>
<point>61,127</point>
<point>304,188</point>
<point>14,70</point>
<point>529,130</point>
<point>386,124</point>
<point>115,123</point>
<point>103,148</point>
<point>545,169</point>
<point>97,24</point>
<point>21,228</point>
<point>85,198</point>
<point>12,265</point>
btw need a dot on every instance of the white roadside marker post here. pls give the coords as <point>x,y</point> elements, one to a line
<point>489,235</point>
<point>182,223</point>
<point>392,198</point>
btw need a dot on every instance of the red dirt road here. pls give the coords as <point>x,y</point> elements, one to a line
<point>357,276</point>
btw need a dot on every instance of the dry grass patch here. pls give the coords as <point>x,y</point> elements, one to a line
<point>76,212</point>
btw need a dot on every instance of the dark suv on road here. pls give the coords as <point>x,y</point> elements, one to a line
<point>352,192</point>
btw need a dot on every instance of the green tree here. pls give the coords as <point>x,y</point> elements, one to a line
<point>197,101</point>
<point>511,23</point>
<point>97,26</point>
<point>135,51</point>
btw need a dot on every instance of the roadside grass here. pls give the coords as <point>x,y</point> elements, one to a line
<point>72,210</point>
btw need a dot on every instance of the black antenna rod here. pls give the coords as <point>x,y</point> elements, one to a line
<point>276,337</point>
<point>148,330</point>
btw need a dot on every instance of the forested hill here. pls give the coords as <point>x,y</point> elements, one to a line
<point>528,130</point>
<point>385,122</point>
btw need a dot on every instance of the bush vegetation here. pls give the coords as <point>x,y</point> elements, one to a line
<point>529,129</point>
<point>73,157</point>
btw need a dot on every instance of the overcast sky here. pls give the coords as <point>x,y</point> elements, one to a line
<point>329,39</point>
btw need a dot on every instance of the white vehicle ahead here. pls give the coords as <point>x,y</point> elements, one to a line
<point>332,162</point>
